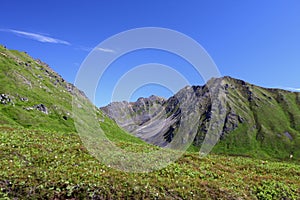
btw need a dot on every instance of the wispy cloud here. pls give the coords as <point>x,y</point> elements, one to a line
<point>48,39</point>
<point>290,89</point>
<point>36,36</point>
<point>106,50</point>
<point>293,89</point>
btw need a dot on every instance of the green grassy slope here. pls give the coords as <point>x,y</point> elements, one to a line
<point>23,77</point>
<point>37,164</point>
<point>29,82</point>
<point>270,126</point>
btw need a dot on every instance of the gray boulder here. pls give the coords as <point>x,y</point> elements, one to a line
<point>5,99</point>
<point>42,108</point>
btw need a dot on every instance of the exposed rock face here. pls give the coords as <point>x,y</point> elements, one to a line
<point>157,121</point>
<point>23,99</point>
<point>224,106</point>
<point>42,108</point>
<point>132,115</point>
<point>5,99</point>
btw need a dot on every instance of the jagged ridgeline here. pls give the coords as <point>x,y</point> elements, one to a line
<point>257,121</point>
<point>33,96</point>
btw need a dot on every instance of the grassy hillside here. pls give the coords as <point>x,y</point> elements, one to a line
<point>28,83</point>
<point>37,164</point>
<point>270,122</point>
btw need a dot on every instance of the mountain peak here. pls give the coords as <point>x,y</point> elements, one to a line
<point>256,119</point>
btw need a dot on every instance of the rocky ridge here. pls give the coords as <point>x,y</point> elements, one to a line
<point>248,119</point>
<point>32,94</point>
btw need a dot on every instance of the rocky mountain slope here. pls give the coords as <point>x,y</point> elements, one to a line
<point>250,120</point>
<point>33,96</point>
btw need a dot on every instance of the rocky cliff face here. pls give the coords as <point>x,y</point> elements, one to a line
<point>247,118</point>
<point>132,115</point>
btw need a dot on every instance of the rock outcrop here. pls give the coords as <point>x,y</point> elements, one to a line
<point>5,99</point>
<point>41,107</point>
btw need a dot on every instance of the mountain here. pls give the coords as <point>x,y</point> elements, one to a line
<point>250,120</point>
<point>253,121</point>
<point>33,96</point>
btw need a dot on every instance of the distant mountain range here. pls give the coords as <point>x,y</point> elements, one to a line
<point>251,120</point>
<point>254,121</point>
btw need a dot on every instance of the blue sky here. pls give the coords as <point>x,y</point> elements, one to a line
<point>257,41</point>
